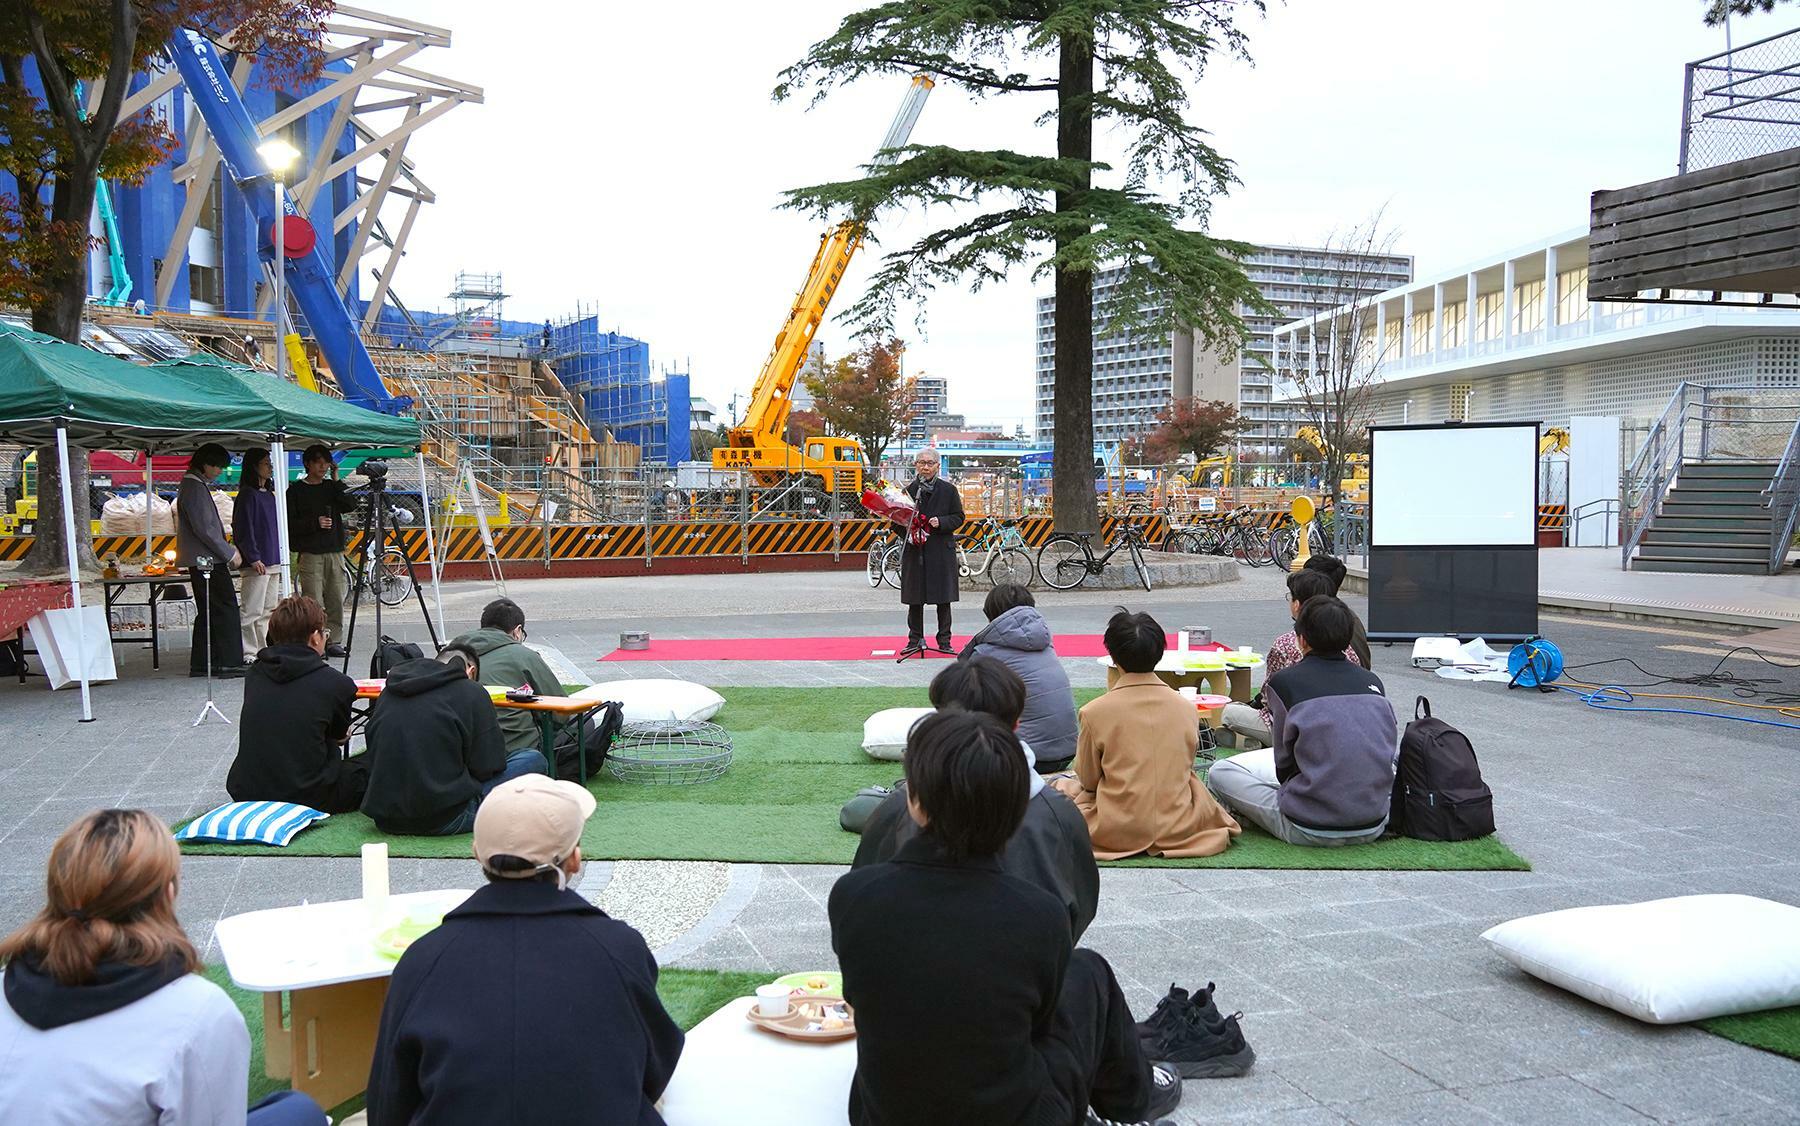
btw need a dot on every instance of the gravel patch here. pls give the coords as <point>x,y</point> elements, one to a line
<point>663,899</point>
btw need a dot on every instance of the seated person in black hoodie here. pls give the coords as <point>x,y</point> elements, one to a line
<point>1039,1031</point>
<point>435,747</point>
<point>1051,847</point>
<point>296,718</point>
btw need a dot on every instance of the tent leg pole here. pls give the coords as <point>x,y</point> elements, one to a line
<point>437,595</point>
<point>68,512</point>
<point>149,524</point>
<point>279,466</point>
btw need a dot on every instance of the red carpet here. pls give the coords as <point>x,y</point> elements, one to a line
<point>821,648</point>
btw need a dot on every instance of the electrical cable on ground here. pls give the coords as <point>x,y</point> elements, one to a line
<point>1621,698</point>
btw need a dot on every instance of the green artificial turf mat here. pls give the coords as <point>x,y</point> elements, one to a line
<point>797,757</point>
<point>690,996</point>
<point>1776,1030</point>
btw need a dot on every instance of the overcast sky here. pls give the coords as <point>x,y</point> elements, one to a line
<point>628,157</point>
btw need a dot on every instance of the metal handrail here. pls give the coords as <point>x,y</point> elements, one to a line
<point>1650,475</point>
<point>1603,507</point>
<point>1783,491</point>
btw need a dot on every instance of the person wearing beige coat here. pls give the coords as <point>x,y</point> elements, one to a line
<point>1134,779</point>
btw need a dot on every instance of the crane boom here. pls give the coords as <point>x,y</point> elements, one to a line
<point>765,423</point>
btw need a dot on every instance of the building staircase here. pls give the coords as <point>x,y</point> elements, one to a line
<point>1714,519</point>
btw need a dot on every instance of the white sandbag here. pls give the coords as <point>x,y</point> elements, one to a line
<point>124,516</point>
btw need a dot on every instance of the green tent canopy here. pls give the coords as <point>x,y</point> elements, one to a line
<point>304,417</point>
<point>109,403</point>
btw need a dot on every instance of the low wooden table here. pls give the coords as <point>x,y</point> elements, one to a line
<point>1173,671</point>
<point>554,715</point>
<point>322,958</point>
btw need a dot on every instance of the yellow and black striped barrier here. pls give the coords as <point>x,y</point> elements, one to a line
<point>1552,517</point>
<point>678,540</point>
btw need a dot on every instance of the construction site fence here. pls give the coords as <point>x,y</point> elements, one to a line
<point>649,541</point>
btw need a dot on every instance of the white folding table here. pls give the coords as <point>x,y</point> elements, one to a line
<point>732,1071</point>
<point>322,957</point>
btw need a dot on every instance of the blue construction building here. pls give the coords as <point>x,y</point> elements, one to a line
<point>611,374</point>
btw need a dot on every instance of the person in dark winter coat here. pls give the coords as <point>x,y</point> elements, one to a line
<point>529,1004</point>
<point>1050,850</point>
<point>199,534</point>
<point>296,719</point>
<point>1018,637</point>
<point>435,747</point>
<point>1038,1032</point>
<point>928,571</point>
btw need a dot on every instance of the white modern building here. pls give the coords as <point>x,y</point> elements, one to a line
<point>930,406</point>
<point>1136,376</point>
<point>1513,337</point>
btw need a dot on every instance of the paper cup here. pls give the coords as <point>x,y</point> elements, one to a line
<point>1189,693</point>
<point>773,1000</point>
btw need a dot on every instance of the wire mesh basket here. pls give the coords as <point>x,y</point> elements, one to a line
<point>669,752</point>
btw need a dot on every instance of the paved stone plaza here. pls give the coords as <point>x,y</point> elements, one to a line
<point>1368,996</point>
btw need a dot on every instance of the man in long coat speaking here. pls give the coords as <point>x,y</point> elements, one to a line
<point>928,570</point>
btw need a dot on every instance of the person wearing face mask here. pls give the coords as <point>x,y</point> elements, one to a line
<point>928,570</point>
<point>529,1004</point>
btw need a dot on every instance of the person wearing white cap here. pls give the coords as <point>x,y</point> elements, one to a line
<point>529,1004</point>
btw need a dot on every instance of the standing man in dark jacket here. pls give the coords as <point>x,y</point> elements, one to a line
<point>435,747</point>
<point>1032,1030</point>
<point>529,1006</point>
<point>1050,849</point>
<point>296,719</point>
<point>199,534</point>
<point>1018,637</point>
<point>928,570</point>
<point>316,508</point>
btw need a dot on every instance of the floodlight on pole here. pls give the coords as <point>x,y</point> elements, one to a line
<point>277,154</point>
<point>280,156</point>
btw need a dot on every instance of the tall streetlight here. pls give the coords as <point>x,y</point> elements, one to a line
<point>279,156</point>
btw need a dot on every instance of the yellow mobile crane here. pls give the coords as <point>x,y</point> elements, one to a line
<point>759,443</point>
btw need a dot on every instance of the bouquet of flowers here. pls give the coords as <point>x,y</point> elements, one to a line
<point>886,499</point>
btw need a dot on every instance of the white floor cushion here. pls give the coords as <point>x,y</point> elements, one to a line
<point>885,732</point>
<point>1667,960</point>
<point>646,700</point>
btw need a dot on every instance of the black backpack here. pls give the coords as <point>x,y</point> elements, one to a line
<point>1438,791</point>
<point>596,738</point>
<point>389,653</point>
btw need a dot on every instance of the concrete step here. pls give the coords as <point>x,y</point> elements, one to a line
<point>1747,552</point>
<point>1713,522</point>
<point>1760,469</point>
<point>1685,506</point>
<point>1700,566</point>
<point>1661,535</point>
<point>1691,494</point>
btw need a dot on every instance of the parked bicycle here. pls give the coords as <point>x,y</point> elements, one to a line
<point>997,554</point>
<point>1238,534</point>
<point>1068,558</point>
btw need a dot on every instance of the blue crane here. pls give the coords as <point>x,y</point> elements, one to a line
<point>308,276</point>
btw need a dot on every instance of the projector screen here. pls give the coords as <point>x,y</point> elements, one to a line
<point>1453,486</point>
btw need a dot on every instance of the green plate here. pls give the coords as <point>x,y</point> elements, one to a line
<point>834,982</point>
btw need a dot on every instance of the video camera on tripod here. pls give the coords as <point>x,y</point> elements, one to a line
<point>384,566</point>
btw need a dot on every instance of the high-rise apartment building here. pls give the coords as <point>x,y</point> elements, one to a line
<point>1136,375</point>
<point>931,397</point>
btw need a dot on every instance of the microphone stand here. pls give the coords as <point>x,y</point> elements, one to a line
<point>204,564</point>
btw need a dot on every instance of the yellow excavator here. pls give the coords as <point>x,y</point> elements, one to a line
<point>1352,488</point>
<point>759,444</point>
<point>1554,441</point>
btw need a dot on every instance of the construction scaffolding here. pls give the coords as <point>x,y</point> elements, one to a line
<point>611,374</point>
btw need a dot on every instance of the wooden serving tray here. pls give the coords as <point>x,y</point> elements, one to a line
<point>793,1025</point>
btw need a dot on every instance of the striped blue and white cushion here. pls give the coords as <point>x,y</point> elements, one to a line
<point>251,822</point>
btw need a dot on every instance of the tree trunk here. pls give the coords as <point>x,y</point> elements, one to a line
<point>60,316</point>
<point>1072,462</point>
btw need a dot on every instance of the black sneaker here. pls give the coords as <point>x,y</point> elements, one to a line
<point>1165,1096</point>
<point>1199,1050</point>
<point>1168,1012</point>
<point>336,652</point>
<point>230,672</point>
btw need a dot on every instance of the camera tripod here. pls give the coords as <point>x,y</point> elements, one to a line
<point>375,544</point>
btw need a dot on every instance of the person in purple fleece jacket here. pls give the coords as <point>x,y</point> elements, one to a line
<point>1328,778</point>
